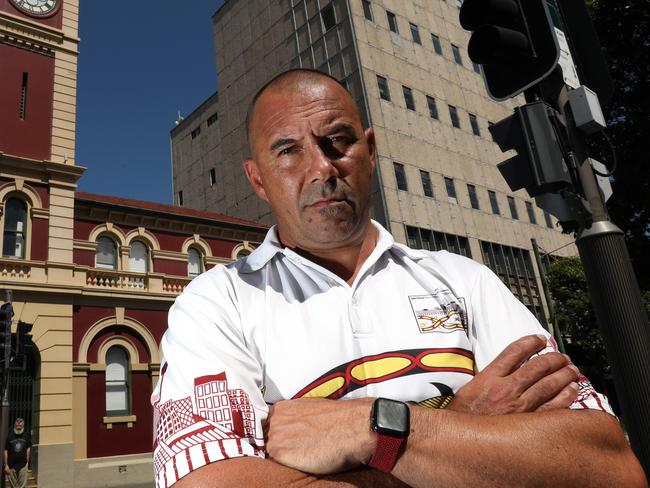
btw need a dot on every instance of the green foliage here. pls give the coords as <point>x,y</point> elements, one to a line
<point>576,319</point>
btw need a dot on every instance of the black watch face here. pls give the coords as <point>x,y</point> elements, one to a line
<point>391,418</point>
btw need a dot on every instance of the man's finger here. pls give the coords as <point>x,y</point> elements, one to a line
<point>538,368</point>
<point>549,388</point>
<point>563,399</point>
<point>513,356</point>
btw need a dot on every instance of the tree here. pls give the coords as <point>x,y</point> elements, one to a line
<point>622,27</point>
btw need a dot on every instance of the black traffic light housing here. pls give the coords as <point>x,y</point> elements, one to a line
<point>514,40</point>
<point>6,314</point>
<point>540,165</point>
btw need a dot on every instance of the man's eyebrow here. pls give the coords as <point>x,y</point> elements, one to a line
<point>281,142</point>
<point>346,128</point>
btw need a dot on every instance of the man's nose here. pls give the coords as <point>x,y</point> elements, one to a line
<point>322,166</point>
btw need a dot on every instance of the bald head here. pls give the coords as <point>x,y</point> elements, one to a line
<point>291,81</point>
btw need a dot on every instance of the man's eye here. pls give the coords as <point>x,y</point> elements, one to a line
<point>285,151</point>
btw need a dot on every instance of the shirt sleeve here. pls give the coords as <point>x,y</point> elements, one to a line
<point>498,319</point>
<point>208,404</point>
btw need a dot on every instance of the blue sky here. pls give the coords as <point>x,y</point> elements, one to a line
<point>139,63</point>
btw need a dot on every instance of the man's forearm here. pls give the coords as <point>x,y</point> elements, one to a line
<point>556,448</point>
<point>252,471</point>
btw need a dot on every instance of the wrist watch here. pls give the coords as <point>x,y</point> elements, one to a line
<point>390,419</point>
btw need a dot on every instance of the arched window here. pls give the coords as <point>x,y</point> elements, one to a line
<point>106,256</point>
<point>139,257</point>
<point>15,229</point>
<point>117,382</point>
<point>194,263</point>
<point>242,253</point>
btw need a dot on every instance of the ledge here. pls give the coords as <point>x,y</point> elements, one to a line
<point>129,420</point>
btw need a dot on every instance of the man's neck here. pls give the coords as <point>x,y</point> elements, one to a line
<point>347,260</point>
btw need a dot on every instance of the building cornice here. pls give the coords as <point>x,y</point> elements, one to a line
<point>28,34</point>
<point>59,174</point>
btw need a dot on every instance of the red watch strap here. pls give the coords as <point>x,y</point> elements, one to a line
<point>386,452</point>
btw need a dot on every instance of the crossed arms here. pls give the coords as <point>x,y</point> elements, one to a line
<point>509,426</point>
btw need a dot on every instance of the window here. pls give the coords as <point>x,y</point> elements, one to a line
<point>451,190</point>
<point>367,10</point>
<point>196,132</point>
<point>392,21</point>
<point>473,197</point>
<point>453,115</point>
<point>433,109</point>
<point>400,176</point>
<point>194,263</point>
<point>106,255</point>
<point>476,67</point>
<point>384,93</point>
<point>415,33</point>
<point>328,16</point>
<point>456,52</point>
<point>213,118</point>
<point>513,208</point>
<point>436,44</point>
<point>531,213</point>
<point>547,219</point>
<point>436,241</point>
<point>408,98</point>
<point>426,183</point>
<point>180,198</point>
<point>494,203</point>
<point>23,97</point>
<point>117,382</point>
<point>474,123</point>
<point>139,257</point>
<point>213,176</point>
<point>15,229</point>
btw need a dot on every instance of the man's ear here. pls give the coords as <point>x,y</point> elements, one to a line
<point>372,147</point>
<point>253,175</point>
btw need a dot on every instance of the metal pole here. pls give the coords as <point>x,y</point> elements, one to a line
<point>616,300</point>
<point>553,327</point>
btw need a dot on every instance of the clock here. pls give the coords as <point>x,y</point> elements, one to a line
<point>37,8</point>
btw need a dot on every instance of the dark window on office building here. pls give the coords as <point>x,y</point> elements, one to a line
<point>474,123</point>
<point>213,118</point>
<point>384,93</point>
<point>195,133</point>
<point>433,109</point>
<point>180,198</point>
<point>494,203</point>
<point>400,176</point>
<point>367,10</point>
<point>436,44</point>
<point>453,115</point>
<point>415,33</point>
<point>213,176</point>
<point>514,267</point>
<point>456,52</point>
<point>427,188</point>
<point>531,213</point>
<point>451,190</point>
<point>392,21</point>
<point>473,197</point>
<point>329,17</point>
<point>437,241</point>
<point>408,97</point>
<point>513,208</point>
<point>547,219</point>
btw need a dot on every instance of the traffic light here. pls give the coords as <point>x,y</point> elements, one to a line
<point>6,314</point>
<point>514,40</point>
<point>22,338</point>
<point>540,166</point>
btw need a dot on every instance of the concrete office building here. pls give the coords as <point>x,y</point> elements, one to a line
<point>406,64</point>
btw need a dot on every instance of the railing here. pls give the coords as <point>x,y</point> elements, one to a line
<point>175,285</point>
<point>16,270</point>
<point>116,279</point>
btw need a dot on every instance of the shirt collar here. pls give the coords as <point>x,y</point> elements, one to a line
<point>272,246</point>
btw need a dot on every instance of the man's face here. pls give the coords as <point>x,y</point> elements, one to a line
<point>313,162</point>
<point>19,426</point>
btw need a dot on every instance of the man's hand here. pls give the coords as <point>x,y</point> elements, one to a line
<point>513,384</point>
<point>320,436</point>
<point>7,470</point>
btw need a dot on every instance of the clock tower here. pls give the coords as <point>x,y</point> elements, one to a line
<point>38,177</point>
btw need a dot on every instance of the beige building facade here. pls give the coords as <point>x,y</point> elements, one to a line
<point>406,64</point>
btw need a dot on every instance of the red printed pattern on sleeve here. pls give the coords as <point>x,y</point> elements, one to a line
<point>215,423</point>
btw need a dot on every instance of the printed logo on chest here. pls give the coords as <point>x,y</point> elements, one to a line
<point>439,312</point>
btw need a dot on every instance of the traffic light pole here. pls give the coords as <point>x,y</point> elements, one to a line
<point>616,299</point>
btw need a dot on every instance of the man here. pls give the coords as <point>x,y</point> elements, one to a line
<point>330,307</point>
<point>16,455</point>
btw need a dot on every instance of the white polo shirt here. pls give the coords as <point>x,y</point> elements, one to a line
<point>414,326</point>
